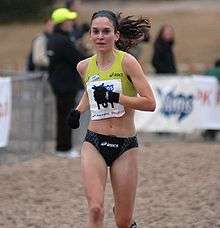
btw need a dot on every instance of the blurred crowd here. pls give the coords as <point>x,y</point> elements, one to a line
<point>64,42</point>
<point>163,46</point>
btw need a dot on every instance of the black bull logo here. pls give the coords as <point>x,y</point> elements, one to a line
<point>100,96</point>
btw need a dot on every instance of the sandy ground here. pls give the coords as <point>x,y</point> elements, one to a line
<point>179,186</point>
<point>179,181</point>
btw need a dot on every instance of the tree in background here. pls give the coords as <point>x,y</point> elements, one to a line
<point>23,10</point>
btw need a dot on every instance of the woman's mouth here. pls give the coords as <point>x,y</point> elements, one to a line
<point>100,43</point>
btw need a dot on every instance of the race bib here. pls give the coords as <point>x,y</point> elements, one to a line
<point>105,110</point>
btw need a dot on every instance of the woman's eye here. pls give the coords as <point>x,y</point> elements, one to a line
<point>95,32</point>
<point>104,31</point>
<point>107,31</point>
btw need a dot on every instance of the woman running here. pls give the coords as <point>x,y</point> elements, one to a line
<point>115,87</point>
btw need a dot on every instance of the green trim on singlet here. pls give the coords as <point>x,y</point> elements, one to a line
<point>114,72</point>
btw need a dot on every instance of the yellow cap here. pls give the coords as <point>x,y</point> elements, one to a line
<point>63,14</point>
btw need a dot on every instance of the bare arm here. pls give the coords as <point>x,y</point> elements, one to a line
<point>145,101</point>
<point>83,105</point>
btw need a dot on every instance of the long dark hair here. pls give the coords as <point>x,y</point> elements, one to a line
<point>132,31</point>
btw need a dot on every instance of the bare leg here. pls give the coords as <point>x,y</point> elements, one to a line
<point>124,174</point>
<point>94,174</point>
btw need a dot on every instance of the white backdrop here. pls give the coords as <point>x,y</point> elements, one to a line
<point>5,110</point>
<point>184,103</point>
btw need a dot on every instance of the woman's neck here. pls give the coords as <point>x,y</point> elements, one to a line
<point>104,60</point>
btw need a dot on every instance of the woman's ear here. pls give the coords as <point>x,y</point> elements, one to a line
<point>117,36</point>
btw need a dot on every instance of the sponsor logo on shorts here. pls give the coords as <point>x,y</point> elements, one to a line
<point>113,145</point>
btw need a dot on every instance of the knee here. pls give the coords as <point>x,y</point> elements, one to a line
<point>123,222</point>
<point>96,213</point>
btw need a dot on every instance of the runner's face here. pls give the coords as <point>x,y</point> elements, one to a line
<point>103,34</point>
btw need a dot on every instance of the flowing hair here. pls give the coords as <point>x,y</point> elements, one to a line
<point>132,31</point>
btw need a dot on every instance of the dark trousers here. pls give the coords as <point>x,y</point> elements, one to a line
<point>210,135</point>
<point>63,135</point>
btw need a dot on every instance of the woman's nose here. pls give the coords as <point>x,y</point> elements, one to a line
<point>100,35</point>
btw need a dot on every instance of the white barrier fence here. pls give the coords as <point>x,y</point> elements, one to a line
<point>24,123</point>
<point>184,104</point>
<point>5,110</point>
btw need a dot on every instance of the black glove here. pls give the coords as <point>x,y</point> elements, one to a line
<point>73,118</point>
<point>112,97</point>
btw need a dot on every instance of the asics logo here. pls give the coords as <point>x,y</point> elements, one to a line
<point>114,74</point>
<point>114,145</point>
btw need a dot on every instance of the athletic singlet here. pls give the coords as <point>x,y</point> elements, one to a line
<point>113,79</point>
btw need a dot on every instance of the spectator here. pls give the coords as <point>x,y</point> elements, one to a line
<point>38,59</point>
<point>77,31</point>
<point>63,76</point>
<point>163,59</point>
<point>84,43</point>
<point>214,71</point>
<point>80,32</point>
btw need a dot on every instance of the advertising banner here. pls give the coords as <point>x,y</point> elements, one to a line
<point>184,103</point>
<point>5,110</point>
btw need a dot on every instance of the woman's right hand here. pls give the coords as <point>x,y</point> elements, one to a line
<point>73,118</point>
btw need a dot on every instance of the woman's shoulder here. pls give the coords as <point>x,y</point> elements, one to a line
<point>129,63</point>
<point>129,59</point>
<point>82,65</point>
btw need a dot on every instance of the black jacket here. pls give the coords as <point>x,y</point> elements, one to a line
<point>64,57</point>
<point>163,59</point>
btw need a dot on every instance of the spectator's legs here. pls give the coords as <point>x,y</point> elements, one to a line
<point>63,138</point>
<point>210,135</point>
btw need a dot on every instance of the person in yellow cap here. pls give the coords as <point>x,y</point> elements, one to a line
<point>77,29</point>
<point>63,14</point>
<point>63,76</point>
